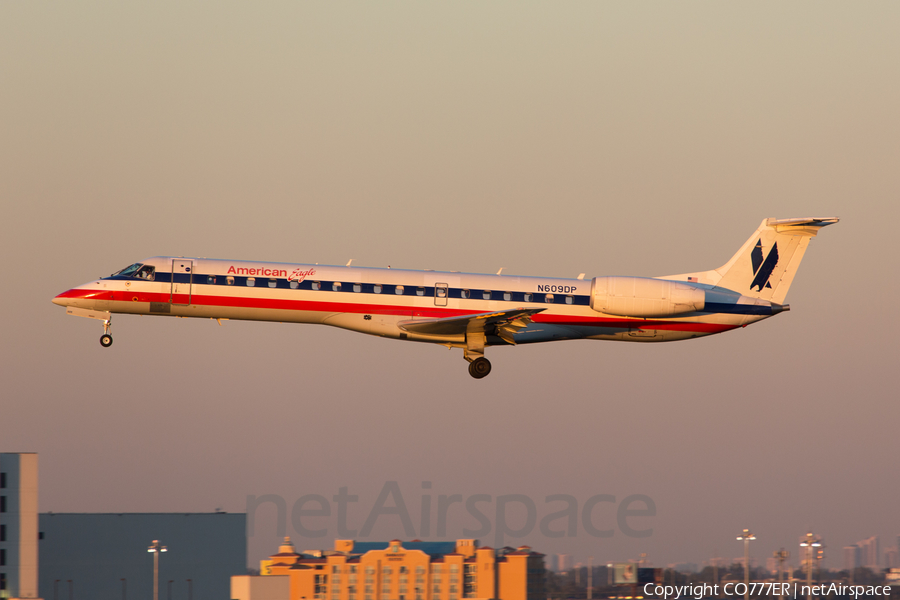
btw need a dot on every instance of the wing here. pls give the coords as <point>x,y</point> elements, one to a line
<point>503,324</point>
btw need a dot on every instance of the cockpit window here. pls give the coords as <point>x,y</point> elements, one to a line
<point>146,272</point>
<point>138,271</point>
<point>127,271</point>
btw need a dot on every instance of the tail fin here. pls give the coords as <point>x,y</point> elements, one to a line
<point>765,265</point>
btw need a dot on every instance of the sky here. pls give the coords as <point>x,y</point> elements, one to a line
<point>548,139</point>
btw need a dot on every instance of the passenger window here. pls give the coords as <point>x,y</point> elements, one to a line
<point>507,295</point>
<point>529,297</point>
<point>295,285</point>
<point>570,300</point>
<point>317,285</point>
<point>548,298</point>
<point>229,280</point>
<point>273,282</point>
<point>357,287</point>
<point>251,281</point>
<point>420,291</point>
<point>336,286</point>
<point>486,294</point>
<point>465,294</point>
<point>377,288</point>
<point>211,279</point>
<point>398,290</point>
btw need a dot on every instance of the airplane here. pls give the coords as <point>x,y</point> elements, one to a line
<point>462,310</point>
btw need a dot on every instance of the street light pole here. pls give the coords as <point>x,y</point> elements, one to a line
<point>590,577</point>
<point>746,536</point>
<point>781,556</point>
<point>715,562</point>
<point>155,548</point>
<point>819,556</point>
<point>809,543</point>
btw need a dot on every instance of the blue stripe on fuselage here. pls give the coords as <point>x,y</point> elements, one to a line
<point>365,288</point>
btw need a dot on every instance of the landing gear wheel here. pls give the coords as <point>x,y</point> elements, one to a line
<point>480,367</point>
<point>106,342</point>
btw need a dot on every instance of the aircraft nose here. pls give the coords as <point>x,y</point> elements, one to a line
<point>63,299</point>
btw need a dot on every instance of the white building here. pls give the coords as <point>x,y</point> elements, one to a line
<point>19,525</point>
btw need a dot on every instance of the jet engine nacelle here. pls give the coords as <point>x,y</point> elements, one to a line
<point>644,297</point>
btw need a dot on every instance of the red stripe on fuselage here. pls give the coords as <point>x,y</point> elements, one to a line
<point>79,293</point>
<point>394,310</point>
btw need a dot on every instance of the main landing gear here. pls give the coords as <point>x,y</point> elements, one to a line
<point>106,339</point>
<point>480,367</point>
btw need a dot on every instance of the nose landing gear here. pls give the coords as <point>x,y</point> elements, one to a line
<point>106,339</point>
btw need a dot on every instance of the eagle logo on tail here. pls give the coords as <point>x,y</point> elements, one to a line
<point>763,268</point>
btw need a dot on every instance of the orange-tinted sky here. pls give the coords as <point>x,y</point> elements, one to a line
<point>545,138</point>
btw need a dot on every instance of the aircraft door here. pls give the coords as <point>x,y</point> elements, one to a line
<point>182,279</point>
<point>441,293</point>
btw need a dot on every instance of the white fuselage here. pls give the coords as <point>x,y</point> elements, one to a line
<point>463,310</point>
<point>375,301</point>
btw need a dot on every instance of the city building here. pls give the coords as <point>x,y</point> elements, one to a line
<point>869,551</point>
<point>685,567</point>
<point>891,557</point>
<point>851,557</point>
<point>399,570</point>
<point>739,560</point>
<point>552,563</point>
<point>105,555</point>
<point>271,587</point>
<point>565,563</point>
<point>19,525</point>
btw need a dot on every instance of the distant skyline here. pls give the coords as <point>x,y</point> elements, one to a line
<point>546,139</point>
